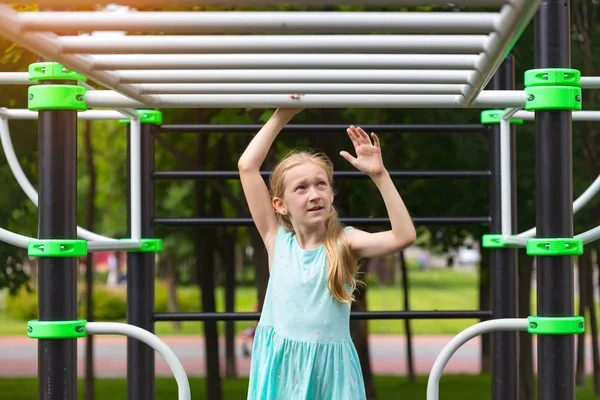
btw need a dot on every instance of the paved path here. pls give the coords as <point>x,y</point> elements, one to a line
<point>18,356</point>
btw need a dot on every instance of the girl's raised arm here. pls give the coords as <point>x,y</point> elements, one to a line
<point>255,189</point>
<point>368,160</point>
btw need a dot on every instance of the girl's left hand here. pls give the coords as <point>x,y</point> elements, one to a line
<point>368,155</point>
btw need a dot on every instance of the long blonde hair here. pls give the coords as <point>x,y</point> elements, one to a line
<point>341,261</point>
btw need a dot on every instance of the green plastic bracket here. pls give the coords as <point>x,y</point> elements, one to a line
<point>147,117</point>
<point>495,241</point>
<point>53,71</point>
<point>57,97</point>
<point>57,248</point>
<point>553,89</point>
<point>556,325</point>
<point>494,116</point>
<point>56,329</point>
<point>554,247</point>
<point>147,246</point>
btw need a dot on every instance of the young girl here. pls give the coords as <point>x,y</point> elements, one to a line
<point>302,348</point>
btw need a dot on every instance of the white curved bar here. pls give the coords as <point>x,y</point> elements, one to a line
<point>507,324</point>
<point>114,328</point>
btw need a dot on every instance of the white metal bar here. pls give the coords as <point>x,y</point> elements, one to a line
<point>398,44</point>
<point>93,115</point>
<point>293,76</point>
<point>576,115</point>
<point>149,3</point>
<point>263,22</point>
<point>513,19</point>
<point>135,178</point>
<point>114,328</point>
<point>589,236</point>
<point>14,238</point>
<point>15,78</point>
<point>499,98</point>
<point>590,82</point>
<point>301,88</point>
<point>505,181</point>
<point>48,46</point>
<point>282,61</point>
<point>496,325</point>
<point>23,181</point>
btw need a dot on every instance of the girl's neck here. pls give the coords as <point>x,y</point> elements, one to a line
<point>309,237</point>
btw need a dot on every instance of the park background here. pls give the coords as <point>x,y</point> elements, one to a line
<point>445,270</point>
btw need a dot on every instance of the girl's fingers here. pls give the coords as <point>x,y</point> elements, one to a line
<point>353,136</point>
<point>375,140</point>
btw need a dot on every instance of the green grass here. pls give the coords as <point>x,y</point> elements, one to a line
<point>452,387</point>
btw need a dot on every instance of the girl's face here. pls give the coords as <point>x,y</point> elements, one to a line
<point>307,195</point>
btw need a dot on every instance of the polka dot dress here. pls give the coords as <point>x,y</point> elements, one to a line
<point>302,347</point>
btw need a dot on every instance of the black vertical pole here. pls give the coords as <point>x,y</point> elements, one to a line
<point>505,350</point>
<point>554,207</point>
<point>57,219</point>
<point>140,282</point>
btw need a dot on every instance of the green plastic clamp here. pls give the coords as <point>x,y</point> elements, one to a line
<point>147,246</point>
<point>147,117</point>
<point>495,241</point>
<point>554,247</point>
<point>57,97</point>
<point>494,116</point>
<point>57,248</point>
<point>56,329</point>
<point>556,325</point>
<point>53,71</point>
<point>553,89</point>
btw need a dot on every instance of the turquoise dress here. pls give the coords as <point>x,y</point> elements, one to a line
<point>302,347</point>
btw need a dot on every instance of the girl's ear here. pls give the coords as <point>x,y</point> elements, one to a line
<point>279,206</point>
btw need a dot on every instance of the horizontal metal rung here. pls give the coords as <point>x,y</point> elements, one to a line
<point>362,315</point>
<point>337,174</point>
<point>318,128</point>
<point>348,221</point>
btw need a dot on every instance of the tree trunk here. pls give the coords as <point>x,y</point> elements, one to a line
<point>526,384</point>
<point>582,272</point>
<point>409,348</point>
<point>89,267</point>
<point>205,244</point>
<point>360,336</point>
<point>594,326</point>
<point>228,257</point>
<point>171,278</point>
<point>485,303</point>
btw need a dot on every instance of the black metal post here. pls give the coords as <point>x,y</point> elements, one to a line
<point>140,283</point>
<point>504,269</point>
<point>554,192</point>
<point>57,219</point>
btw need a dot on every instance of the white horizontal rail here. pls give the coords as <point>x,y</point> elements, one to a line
<point>590,82</point>
<point>92,115</point>
<point>301,88</point>
<point>500,98</point>
<point>414,44</point>
<point>47,45</point>
<point>282,61</point>
<point>261,22</point>
<point>514,17</point>
<point>576,115</point>
<point>293,76</point>
<point>149,3</point>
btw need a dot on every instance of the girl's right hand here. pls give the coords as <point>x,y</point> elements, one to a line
<point>290,112</point>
